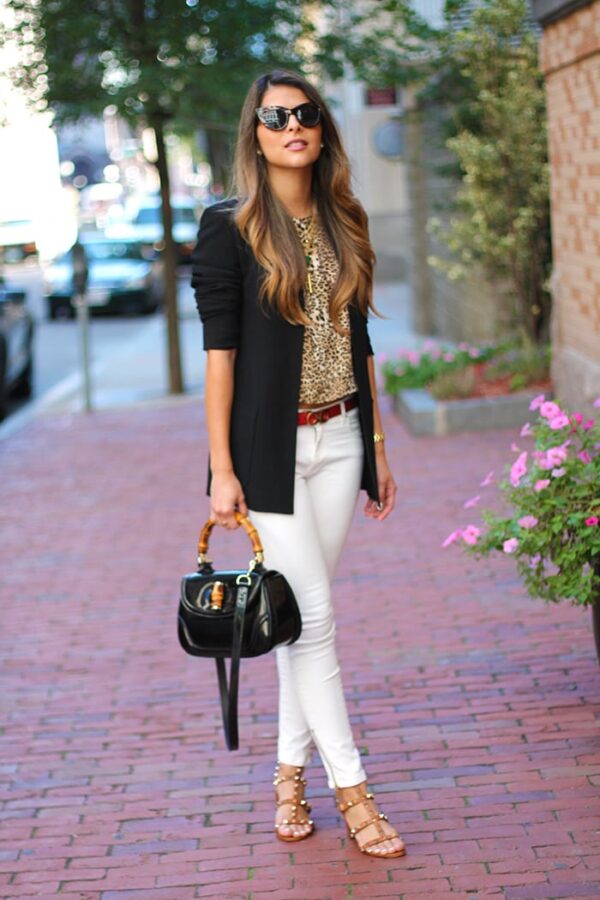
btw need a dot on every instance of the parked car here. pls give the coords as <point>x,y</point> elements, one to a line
<point>17,241</point>
<point>123,277</point>
<point>146,226</point>
<point>16,346</point>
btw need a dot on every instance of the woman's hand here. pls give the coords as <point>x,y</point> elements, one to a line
<point>226,495</point>
<point>387,489</point>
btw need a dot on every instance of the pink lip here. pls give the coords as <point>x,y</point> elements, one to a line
<point>300,145</point>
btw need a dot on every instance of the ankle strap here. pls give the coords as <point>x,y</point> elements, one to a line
<point>297,776</point>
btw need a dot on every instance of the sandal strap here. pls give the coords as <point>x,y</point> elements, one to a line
<point>344,806</point>
<point>380,840</point>
<point>297,776</point>
<point>373,820</point>
<point>296,800</point>
<point>292,801</point>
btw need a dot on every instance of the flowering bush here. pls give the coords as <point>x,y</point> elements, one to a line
<point>553,490</point>
<point>418,368</point>
<point>468,370</point>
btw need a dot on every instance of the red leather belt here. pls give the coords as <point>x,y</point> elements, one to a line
<point>316,416</point>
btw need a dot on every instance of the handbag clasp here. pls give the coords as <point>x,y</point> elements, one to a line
<point>216,595</point>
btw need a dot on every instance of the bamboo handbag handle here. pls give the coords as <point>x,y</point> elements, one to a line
<point>248,527</point>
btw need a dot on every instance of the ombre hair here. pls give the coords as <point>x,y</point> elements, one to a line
<point>267,227</point>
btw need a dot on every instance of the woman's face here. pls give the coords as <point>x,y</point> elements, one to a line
<point>295,146</point>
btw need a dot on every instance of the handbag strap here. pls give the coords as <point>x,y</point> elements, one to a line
<point>229,692</point>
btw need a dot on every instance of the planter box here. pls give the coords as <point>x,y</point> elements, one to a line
<point>425,415</point>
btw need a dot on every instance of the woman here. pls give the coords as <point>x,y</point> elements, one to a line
<point>283,281</point>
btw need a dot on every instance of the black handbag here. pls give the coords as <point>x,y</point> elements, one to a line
<point>235,613</point>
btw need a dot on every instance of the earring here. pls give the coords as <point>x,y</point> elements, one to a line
<point>322,144</point>
<point>259,153</point>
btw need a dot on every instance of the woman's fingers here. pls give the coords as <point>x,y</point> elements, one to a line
<point>387,494</point>
<point>227,496</point>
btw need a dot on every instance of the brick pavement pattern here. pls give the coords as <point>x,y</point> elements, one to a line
<point>475,707</point>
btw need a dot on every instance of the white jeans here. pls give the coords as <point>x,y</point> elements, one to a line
<point>306,547</point>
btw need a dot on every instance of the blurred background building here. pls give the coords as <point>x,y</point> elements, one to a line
<point>570,61</point>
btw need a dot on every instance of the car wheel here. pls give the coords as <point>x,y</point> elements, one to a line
<point>62,311</point>
<point>24,384</point>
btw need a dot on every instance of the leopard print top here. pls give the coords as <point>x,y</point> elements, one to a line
<point>327,372</point>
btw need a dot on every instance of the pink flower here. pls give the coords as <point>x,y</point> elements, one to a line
<point>554,457</point>
<point>436,353</point>
<point>449,357</point>
<point>589,424</point>
<point>549,409</point>
<point>514,448</point>
<point>454,536</point>
<point>534,560</point>
<point>470,534</point>
<point>577,418</point>
<point>584,456</point>
<point>463,346</point>
<point>556,473</point>
<point>528,521</point>
<point>472,502</point>
<point>526,430</point>
<point>413,357</point>
<point>597,402</point>
<point>541,484</point>
<point>510,545</point>
<point>474,353</point>
<point>487,480</point>
<point>518,469</point>
<point>592,520</point>
<point>560,421</point>
<point>537,401</point>
<point>383,357</point>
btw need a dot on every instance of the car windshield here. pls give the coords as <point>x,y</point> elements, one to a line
<point>151,215</point>
<point>113,250</point>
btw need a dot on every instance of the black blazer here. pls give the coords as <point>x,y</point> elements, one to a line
<point>226,278</point>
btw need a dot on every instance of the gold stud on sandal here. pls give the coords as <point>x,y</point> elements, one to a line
<point>296,801</point>
<point>375,820</point>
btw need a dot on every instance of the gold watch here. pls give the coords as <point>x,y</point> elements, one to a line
<point>378,437</point>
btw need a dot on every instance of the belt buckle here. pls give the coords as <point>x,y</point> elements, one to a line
<point>315,417</point>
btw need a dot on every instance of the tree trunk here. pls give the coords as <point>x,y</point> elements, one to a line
<point>169,256</point>
<point>422,294</point>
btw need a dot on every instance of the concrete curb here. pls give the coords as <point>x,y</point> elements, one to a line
<point>425,415</point>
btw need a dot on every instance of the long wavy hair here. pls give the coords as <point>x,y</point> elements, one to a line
<point>267,227</point>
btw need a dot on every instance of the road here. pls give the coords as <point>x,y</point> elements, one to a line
<point>57,344</point>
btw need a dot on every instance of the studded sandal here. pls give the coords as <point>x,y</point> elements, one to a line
<point>296,801</point>
<point>375,820</point>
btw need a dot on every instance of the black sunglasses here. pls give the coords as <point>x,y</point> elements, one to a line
<point>276,118</point>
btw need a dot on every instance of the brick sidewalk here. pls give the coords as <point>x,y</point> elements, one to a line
<point>475,707</point>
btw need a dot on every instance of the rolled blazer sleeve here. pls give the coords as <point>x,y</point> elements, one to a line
<point>217,280</point>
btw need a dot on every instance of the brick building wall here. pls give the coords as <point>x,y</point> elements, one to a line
<point>570,61</point>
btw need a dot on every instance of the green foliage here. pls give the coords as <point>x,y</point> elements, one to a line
<point>456,384</point>
<point>182,62</point>
<point>525,364</point>
<point>481,70</point>
<point>502,219</point>
<point>553,525</point>
<point>448,371</point>
<point>385,42</point>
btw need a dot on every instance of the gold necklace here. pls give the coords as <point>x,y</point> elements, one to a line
<point>308,245</point>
